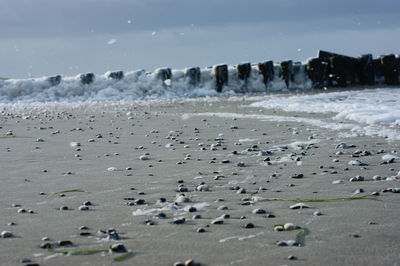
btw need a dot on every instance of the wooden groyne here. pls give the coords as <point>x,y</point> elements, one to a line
<point>328,69</point>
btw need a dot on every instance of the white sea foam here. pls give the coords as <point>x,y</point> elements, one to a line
<point>379,130</point>
<point>134,85</point>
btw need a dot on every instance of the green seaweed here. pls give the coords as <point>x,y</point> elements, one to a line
<point>275,225</point>
<point>6,136</point>
<point>299,236</point>
<point>123,256</point>
<point>323,200</point>
<point>69,191</point>
<point>334,199</point>
<point>78,252</point>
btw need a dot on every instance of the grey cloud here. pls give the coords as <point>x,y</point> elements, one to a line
<point>40,18</point>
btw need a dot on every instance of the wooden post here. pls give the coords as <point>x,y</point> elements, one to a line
<point>194,75</point>
<point>316,70</point>
<point>221,76</point>
<point>116,75</point>
<point>243,71</point>
<point>87,78</point>
<point>287,71</point>
<point>267,70</point>
<point>54,81</point>
<point>390,69</point>
<point>366,74</point>
<point>378,71</point>
<point>164,73</point>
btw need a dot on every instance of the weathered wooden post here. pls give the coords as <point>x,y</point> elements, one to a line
<point>287,71</point>
<point>221,76</point>
<point>378,71</point>
<point>267,71</point>
<point>342,69</point>
<point>366,70</point>
<point>243,71</point>
<point>54,81</point>
<point>316,70</point>
<point>87,78</point>
<point>164,73</point>
<point>116,75</point>
<point>194,75</point>
<point>338,71</point>
<point>390,69</point>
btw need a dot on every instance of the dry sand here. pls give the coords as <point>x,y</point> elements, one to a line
<point>349,232</point>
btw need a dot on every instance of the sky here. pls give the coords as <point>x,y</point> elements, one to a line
<point>68,37</point>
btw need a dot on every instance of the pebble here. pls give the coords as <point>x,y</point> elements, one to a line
<point>297,176</point>
<point>181,220</point>
<point>118,248</point>
<point>292,257</point>
<point>259,211</point>
<point>64,243</point>
<point>6,234</point>
<point>222,207</point>
<point>249,225</point>
<point>200,230</point>
<point>83,208</point>
<point>317,213</point>
<point>196,216</point>
<point>25,260</point>
<point>299,206</point>
<point>202,187</point>
<point>289,226</point>
<point>357,178</point>
<point>219,220</point>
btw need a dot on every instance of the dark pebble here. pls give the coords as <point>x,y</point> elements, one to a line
<point>119,248</point>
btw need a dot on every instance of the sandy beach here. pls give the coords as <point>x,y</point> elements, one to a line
<point>129,172</point>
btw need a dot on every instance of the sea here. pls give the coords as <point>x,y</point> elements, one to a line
<point>352,111</point>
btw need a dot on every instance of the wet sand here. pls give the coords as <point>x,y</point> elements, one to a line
<point>227,154</point>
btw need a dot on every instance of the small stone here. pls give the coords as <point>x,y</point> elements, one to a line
<point>259,211</point>
<point>249,225</point>
<point>191,262</point>
<point>219,220</point>
<point>181,220</point>
<point>192,209</point>
<point>21,210</point>
<point>11,224</point>
<point>178,263</point>
<point>292,257</point>
<point>83,208</point>
<point>46,245</point>
<point>376,178</point>
<point>196,216</point>
<point>118,248</point>
<point>6,234</point>
<point>289,226</point>
<point>25,260</point>
<point>241,164</point>
<point>200,230</point>
<point>357,178</point>
<point>87,203</point>
<point>299,206</point>
<point>317,213</point>
<point>222,207</point>
<point>64,243</point>
<point>297,176</point>
<point>202,187</point>
<point>112,234</point>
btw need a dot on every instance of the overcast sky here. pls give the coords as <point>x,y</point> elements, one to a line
<point>47,37</point>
